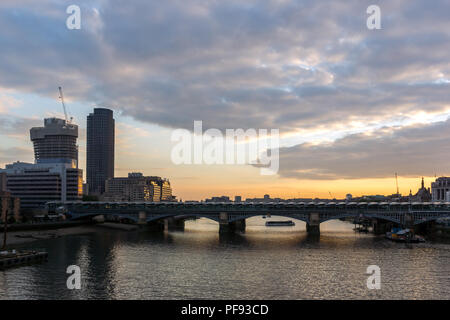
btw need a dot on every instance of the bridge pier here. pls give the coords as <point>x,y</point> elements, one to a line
<point>142,217</point>
<point>381,227</point>
<point>313,226</point>
<point>172,224</point>
<point>231,227</point>
<point>155,226</point>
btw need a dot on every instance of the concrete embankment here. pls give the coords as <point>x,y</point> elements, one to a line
<point>43,225</point>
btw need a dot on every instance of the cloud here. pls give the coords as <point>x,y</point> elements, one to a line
<point>9,155</point>
<point>298,66</point>
<point>417,150</point>
<point>258,64</point>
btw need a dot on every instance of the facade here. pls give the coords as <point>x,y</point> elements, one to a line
<point>56,142</point>
<point>9,206</point>
<point>99,149</point>
<point>439,188</point>
<point>54,175</point>
<point>3,181</point>
<point>37,184</point>
<point>137,187</point>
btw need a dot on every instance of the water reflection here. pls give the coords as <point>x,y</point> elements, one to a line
<point>200,263</point>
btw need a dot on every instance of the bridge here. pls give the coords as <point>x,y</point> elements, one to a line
<point>231,216</point>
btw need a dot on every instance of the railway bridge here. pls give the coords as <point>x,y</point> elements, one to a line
<point>231,216</point>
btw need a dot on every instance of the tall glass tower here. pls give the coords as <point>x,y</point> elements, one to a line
<point>100,149</point>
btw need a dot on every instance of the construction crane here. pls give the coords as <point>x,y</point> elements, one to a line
<point>396,182</point>
<point>61,96</point>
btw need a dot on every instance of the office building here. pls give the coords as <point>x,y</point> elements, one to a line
<point>99,149</point>
<point>56,142</point>
<point>137,187</point>
<point>37,184</point>
<point>439,188</point>
<point>54,175</point>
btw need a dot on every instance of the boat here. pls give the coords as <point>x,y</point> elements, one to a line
<point>288,223</point>
<point>403,235</point>
<point>15,258</point>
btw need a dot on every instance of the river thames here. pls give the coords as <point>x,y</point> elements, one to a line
<point>263,263</point>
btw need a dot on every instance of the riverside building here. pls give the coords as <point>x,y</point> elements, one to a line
<point>54,175</point>
<point>439,188</point>
<point>137,187</point>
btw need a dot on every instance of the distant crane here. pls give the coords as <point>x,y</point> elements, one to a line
<point>330,194</point>
<point>396,182</point>
<point>61,96</point>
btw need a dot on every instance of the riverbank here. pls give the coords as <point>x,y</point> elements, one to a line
<point>53,232</point>
<point>20,237</point>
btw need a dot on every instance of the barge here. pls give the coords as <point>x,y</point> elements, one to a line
<point>288,223</point>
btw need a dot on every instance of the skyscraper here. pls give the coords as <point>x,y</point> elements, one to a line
<point>100,149</point>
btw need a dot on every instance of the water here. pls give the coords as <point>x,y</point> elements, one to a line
<point>263,263</point>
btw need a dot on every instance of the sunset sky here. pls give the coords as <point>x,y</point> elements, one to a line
<point>352,105</point>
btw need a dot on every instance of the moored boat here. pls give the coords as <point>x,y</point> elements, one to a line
<point>403,235</point>
<point>288,223</point>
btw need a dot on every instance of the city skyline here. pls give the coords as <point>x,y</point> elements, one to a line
<point>375,186</point>
<point>349,111</point>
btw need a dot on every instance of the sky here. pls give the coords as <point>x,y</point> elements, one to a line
<point>353,106</point>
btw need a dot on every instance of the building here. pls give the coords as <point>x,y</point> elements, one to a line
<point>3,181</point>
<point>218,199</point>
<point>37,184</point>
<point>9,206</point>
<point>99,149</point>
<point>137,187</point>
<point>439,188</point>
<point>54,175</point>
<point>237,199</point>
<point>422,195</point>
<point>56,142</point>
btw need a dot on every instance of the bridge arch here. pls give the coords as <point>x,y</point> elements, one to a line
<point>299,217</point>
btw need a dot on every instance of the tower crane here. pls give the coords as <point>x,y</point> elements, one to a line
<point>396,182</point>
<point>61,96</point>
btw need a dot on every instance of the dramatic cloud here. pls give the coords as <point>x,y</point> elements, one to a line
<point>261,64</point>
<point>410,151</point>
<point>298,66</point>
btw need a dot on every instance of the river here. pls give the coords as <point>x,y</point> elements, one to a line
<point>263,263</point>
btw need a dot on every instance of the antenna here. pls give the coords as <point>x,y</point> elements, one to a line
<point>61,96</point>
<point>396,182</point>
